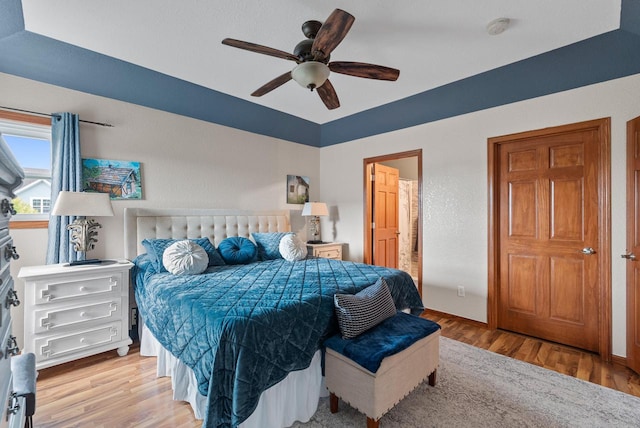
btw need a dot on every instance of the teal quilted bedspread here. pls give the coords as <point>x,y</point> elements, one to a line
<point>243,328</point>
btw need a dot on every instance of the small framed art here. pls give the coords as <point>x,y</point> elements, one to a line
<point>297,189</point>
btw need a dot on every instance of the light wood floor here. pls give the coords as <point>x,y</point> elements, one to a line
<point>110,391</point>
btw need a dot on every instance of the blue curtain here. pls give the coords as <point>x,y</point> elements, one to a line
<point>66,174</point>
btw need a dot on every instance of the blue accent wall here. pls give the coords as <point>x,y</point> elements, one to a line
<point>630,16</point>
<point>11,19</point>
<point>601,58</point>
<point>605,57</point>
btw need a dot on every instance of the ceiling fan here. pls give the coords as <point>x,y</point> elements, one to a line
<point>312,56</point>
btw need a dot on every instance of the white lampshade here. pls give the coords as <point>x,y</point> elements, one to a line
<point>315,209</point>
<point>87,204</point>
<point>310,74</point>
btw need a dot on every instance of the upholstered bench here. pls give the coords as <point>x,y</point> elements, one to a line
<point>375,370</point>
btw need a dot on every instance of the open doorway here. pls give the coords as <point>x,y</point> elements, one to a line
<point>393,219</point>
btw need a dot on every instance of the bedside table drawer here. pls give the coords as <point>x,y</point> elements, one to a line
<point>332,253</point>
<point>54,346</point>
<point>71,288</point>
<point>51,320</point>
<point>326,250</point>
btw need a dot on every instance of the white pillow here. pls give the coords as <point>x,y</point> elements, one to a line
<point>292,248</point>
<point>185,257</point>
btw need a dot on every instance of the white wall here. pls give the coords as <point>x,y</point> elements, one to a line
<point>184,162</point>
<point>455,189</point>
<point>189,163</point>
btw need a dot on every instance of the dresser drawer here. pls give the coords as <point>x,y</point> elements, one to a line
<point>61,344</point>
<point>6,208</point>
<point>53,320</point>
<point>5,372</point>
<point>60,290</point>
<point>15,419</point>
<point>8,298</point>
<point>6,249</point>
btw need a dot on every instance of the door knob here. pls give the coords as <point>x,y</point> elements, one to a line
<point>629,256</point>
<point>588,251</point>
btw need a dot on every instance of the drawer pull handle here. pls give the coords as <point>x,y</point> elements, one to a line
<point>83,314</point>
<point>7,207</point>
<point>12,347</point>
<point>82,340</point>
<point>11,253</point>
<point>12,299</point>
<point>13,405</point>
<point>83,288</point>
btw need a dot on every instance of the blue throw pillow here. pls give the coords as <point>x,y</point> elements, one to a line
<point>237,250</point>
<point>269,244</point>
<point>155,248</point>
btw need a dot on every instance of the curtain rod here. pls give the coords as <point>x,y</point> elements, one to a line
<point>108,125</point>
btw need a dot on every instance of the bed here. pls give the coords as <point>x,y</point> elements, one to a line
<point>242,343</point>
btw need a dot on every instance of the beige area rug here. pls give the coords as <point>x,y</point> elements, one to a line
<point>478,388</point>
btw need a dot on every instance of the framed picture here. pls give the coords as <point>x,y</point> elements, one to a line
<point>297,189</point>
<point>120,179</point>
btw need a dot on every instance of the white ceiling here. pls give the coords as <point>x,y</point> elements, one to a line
<point>432,42</point>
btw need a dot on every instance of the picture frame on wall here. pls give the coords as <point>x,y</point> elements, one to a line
<point>297,189</point>
<point>120,179</point>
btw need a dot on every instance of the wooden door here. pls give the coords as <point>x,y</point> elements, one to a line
<point>548,236</point>
<point>385,215</point>
<point>633,244</point>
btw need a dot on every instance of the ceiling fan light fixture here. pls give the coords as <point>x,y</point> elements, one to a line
<point>310,74</point>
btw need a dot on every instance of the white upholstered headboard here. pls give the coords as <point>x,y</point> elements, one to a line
<point>215,224</point>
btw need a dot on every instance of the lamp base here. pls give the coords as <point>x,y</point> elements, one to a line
<point>315,242</point>
<point>85,262</point>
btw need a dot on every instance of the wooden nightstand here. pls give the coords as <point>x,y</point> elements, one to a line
<point>327,250</point>
<point>71,312</point>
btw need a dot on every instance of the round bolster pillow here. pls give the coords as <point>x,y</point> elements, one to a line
<point>237,250</point>
<point>185,258</point>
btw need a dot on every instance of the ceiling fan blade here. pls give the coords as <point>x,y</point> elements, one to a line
<point>361,69</point>
<point>260,49</point>
<point>328,95</point>
<point>334,29</point>
<point>270,86</point>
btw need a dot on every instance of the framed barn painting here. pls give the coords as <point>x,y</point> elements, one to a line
<point>120,179</point>
<point>297,189</point>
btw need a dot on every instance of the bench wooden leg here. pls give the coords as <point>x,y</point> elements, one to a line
<point>333,402</point>
<point>373,424</point>
<point>432,378</point>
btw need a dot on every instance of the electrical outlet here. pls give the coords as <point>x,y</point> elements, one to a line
<point>460,291</point>
<point>134,316</point>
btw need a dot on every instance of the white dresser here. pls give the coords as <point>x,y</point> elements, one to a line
<point>11,176</point>
<point>71,312</point>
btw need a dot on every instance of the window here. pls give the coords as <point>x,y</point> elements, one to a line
<point>41,205</point>
<point>29,138</point>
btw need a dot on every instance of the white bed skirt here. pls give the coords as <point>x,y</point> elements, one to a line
<point>295,398</point>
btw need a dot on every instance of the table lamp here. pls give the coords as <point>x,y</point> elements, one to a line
<point>315,210</point>
<point>84,234</point>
